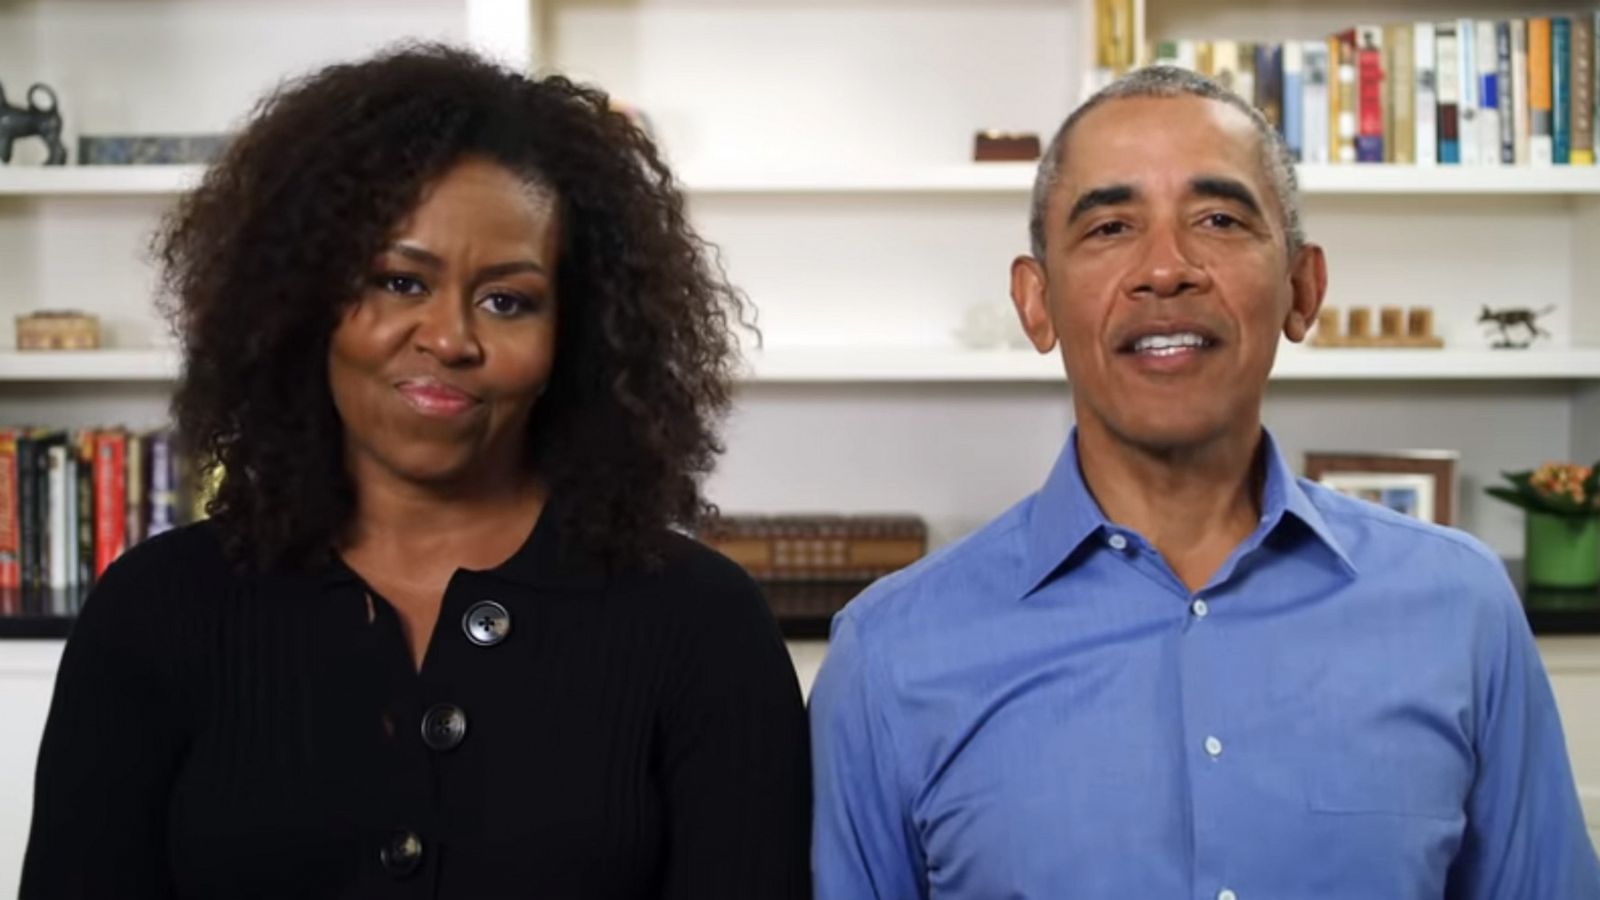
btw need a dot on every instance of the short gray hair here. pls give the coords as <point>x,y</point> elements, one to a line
<point>1170,81</point>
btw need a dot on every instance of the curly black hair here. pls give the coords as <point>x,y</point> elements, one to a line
<point>260,261</point>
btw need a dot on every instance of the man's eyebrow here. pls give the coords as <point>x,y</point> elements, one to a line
<point>1226,189</point>
<point>1110,195</point>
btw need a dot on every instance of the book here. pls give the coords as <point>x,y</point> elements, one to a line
<point>1449,79</point>
<point>1541,117</point>
<point>1561,90</point>
<point>1426,100</point>
<point>1519,90</point>
<point>1400,137</point>
<point>1269,83</point>
<point>1467,135</point>
<point>10,526</point>
<point>57,528</point>
<point>1294,98</point>
<point>1583,91</point>
<point>85,508</point>
<point>1225,64</point>
<point>1505,117</point>
<point>1595,48</point>
<point>1487,56</point>
<point>162,500</point>
<point>1246,84</point>
<point>134,483</point>
<point>1314,139</point>
<point>1348,109</point>
<point>110,498</point>
<point>1369,97</point>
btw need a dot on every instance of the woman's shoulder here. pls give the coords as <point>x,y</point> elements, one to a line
<point>694,581</point>
<point>188,551</point>
<point>141,590</point>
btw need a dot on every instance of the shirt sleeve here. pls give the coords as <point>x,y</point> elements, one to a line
<point>735,758</point>
<point>1525,833</point>
<point>863,843</point>
<point>107,759</point>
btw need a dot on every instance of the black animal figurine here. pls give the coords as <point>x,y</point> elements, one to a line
<point>1511,318</point>
<point>33,120</point>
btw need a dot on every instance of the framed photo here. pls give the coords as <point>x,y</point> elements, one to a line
<point>1416,483</point>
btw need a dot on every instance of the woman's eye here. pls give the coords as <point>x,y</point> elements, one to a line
<point>506,304</point>
<point>404,285</point>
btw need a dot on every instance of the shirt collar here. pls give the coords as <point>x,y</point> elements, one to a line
<point>1064,515</point>
<point>545,561</point>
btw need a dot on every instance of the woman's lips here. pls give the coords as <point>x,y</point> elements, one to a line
<point>432,397</point>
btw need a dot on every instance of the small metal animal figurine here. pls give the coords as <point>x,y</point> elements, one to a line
<point>34,120</point>
<point>1513,317</point>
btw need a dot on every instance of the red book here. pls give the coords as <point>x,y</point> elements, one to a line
<point>10,525</point>
<point>1370,90</point>
<point>110,498</point>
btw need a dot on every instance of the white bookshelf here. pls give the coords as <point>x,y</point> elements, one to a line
<point>959,178</point>
<point>846,365</point>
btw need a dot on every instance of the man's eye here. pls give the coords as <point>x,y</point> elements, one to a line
<point>1222,220</point>
<point>1108,229</point>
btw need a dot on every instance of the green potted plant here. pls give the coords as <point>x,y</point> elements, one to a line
<point>1562,502</point>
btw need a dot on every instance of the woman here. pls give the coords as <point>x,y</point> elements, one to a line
<point>459,357</point>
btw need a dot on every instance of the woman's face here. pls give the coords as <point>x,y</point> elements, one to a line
<point>436,367</point>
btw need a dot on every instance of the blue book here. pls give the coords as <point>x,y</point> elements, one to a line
<point>1561,88</point>
<point>1293,100</point>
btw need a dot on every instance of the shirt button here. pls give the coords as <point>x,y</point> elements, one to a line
<point>487,623</point>
<point>1200,609</point>
<point>1213,747</point>
<point>1117,542</point>
<point>402,854</point>
<point>1226,894</point>
<point>444,725</point>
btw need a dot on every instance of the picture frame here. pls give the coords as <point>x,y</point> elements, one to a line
<point>1417,483</point>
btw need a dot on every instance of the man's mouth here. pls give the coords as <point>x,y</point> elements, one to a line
<point>1169,343</point>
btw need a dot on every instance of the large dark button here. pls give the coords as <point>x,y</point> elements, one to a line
<point>487,623</point>
<point>443,726</point>
<point>402,854</point>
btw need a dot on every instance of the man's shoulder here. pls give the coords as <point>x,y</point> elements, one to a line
<point>947,586</point>
<point>1380,541</point>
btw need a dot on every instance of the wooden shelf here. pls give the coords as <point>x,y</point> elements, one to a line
<point>960,178</point>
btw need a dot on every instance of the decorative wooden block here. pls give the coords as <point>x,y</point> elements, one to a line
<point>1397,327</point>
<point>993,146</point>
<point>58,330</point>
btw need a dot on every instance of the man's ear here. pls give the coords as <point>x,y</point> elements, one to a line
<point>1029,296</point>
<point>1308,280</point>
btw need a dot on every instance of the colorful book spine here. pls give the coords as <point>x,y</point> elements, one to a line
<point>163,482</point>
<point>1487,57</point>
<point>1294,99</point>
<point>85,450</point>
<point>111,499</point>
<point>1225,64</point>
<point>1269,83</point>
<point>1349,97</point>
<point>1467,110</point>
<point>1505,117</point>
<point>1561,90</point>
<point>1449,77</point>
<point>10,524</point>
<point>134,482</point>
<point>29,506</point>
<point>58,523</point>
<point>1369,68</point>
<point>1518,91</point>
<point>1583,91</point>
<point>1314,59</point>
<point>1425,103</point>
<point>1247,71</point>
<point>1541,117</point>
<point>1400,138</point>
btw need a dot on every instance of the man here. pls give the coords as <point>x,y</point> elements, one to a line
<point>1177,671</point>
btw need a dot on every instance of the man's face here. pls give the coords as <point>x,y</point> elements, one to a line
<point>1166,278</point>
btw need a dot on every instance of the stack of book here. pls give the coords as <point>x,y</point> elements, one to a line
<point>1462,92</point>
<point>810,566</point>
<point>70,504</point>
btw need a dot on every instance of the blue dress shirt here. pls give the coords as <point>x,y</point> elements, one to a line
<point>1352,707</point>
